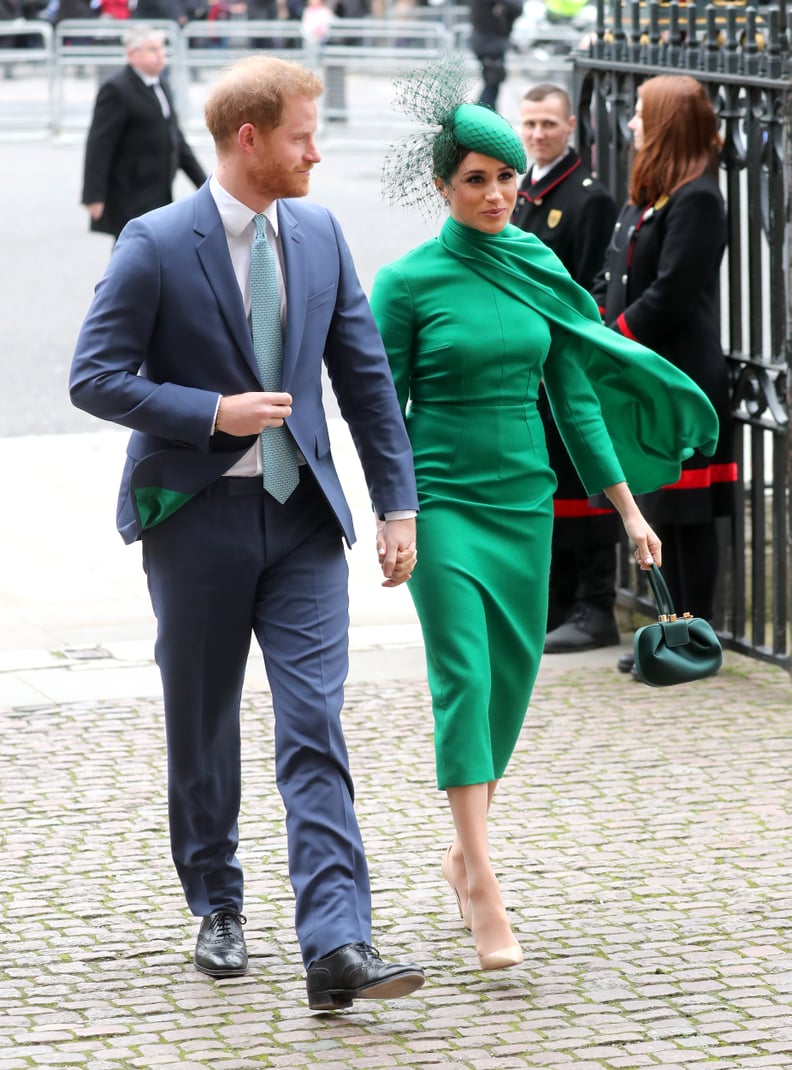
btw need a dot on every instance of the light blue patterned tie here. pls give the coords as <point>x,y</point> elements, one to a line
<point>278,455</point>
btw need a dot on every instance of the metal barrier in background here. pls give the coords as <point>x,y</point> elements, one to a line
<point>352,47</point>
<point>373,46</point>
<point>449,14</point>
<point>212,45</point>
<point>743,59</point>
<point>209,46</point>
<point>81,53</point>
<point>24,113</point>
<point>13,30</point>
<point>545,57</point>
<point>95,47</point>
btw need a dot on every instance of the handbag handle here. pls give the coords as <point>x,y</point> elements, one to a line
<point>665,607</point>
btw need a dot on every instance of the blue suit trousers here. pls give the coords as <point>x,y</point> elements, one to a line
<point>230,564</point>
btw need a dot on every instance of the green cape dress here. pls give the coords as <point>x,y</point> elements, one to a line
<point>472,323</point>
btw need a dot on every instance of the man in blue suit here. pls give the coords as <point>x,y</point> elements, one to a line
<point>166,350</point>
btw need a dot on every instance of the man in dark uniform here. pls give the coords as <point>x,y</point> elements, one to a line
<point>571,212</point>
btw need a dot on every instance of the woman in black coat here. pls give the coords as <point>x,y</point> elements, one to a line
<point>660,285</point>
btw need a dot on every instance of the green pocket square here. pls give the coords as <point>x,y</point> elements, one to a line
<point>155,504</point>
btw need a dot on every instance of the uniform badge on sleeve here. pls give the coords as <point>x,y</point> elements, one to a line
<point>554,218</point>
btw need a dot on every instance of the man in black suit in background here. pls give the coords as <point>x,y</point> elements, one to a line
<point>134,146</point>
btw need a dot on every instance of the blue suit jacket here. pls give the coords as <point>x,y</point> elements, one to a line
<point>167,332</point>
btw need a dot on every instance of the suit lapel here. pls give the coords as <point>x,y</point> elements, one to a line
<point>143,92</point>
<point>294,267</point>
<point>212,249</point>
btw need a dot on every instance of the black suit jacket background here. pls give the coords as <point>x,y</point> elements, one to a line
<point>573,214</point>
<point>133,152</point>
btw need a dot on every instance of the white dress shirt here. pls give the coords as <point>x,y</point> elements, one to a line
<point>159,92</point>
<point>540,172</point>
<point>237,220</point>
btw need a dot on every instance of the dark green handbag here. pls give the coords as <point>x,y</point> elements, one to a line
<point>674,650</point>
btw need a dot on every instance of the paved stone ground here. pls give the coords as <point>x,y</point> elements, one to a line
<point>642,840</point>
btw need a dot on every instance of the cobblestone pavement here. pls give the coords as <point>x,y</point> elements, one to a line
<point>642,840</point>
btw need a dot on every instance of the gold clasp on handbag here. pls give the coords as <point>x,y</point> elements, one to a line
<point>679,647</point>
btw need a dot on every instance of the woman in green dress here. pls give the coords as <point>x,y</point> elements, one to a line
<point>472,322</point>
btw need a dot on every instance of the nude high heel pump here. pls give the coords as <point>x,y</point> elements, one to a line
<point>503,959</point>
<point>466,915</point>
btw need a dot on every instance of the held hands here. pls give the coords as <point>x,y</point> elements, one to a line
<point>248,414</point>
<point>396,550</point>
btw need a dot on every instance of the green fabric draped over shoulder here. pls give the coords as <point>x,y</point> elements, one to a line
<point>656,416</point>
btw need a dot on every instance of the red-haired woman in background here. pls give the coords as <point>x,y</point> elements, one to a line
<point>660,286</point>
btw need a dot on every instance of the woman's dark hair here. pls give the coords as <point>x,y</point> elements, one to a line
<point>680,137</point>
<point>447,155</point>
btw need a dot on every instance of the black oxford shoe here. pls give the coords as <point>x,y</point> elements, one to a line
<point>220,949</point>
<point>355,971</point>
<point>586,628</point>
<point>626,662</point>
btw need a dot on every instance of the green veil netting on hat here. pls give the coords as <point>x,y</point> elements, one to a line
<point>436,96</point>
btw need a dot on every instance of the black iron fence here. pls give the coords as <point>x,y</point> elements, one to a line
<point>742,56</point>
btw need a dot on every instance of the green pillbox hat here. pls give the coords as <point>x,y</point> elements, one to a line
<point>482,130</point>
<point>436,96</point>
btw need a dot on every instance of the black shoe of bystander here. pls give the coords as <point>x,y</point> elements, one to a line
<point>586,628</point>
